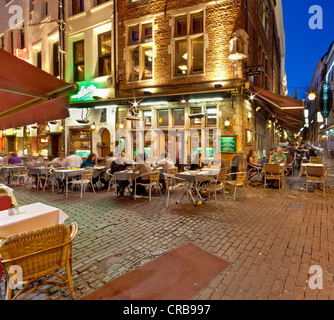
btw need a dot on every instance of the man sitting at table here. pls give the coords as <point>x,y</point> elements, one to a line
<point>14,159</point>
<point>279,157</point>
<point>144,168</point>
<point>165,162</point>
<point>119,164</point>
<point>60,160</point>
<point>73,160</point>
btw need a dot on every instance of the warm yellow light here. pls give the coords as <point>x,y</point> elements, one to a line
<point>311,96</point>
<point>93,126</point>
<point>249,115</point>
<point>227,123</point>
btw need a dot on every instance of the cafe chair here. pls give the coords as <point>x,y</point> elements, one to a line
<point>86,178</point>
<point>240,181</point>
<point>47,178</point>
<point>316,174</point>
<point>317,160</point>
<point>40,254</point>
<point>272,171</point>
<point>174,183</point>
<point>216,185</point>
<point>111,180</point>
<point>5,202</point>
<point>152,182</point>
<point>290,165</point>
<point>21,174</point>
<point>254,173</point>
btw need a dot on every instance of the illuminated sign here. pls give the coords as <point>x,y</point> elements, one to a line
<point>85,93</point>
<point>325,100</point>
<point>22,54</point>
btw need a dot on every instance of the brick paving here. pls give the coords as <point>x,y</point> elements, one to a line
<point>271,238</point>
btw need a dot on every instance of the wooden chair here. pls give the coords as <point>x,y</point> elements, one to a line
<point>86,178</point>
<point>316,174</point>
<point>290,164</point>
<point>21,174</point>
<point>39,254</point>
<point>272,171</point>
<point>174,183</point>
<point>240,181</point>
<point>172,170</point>
<point>153,181</point>
<point>5,202</point>
<point>317,160</point>
<point>217,185</point>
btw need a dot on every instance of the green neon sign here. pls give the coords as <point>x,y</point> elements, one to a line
<point>85,93</point>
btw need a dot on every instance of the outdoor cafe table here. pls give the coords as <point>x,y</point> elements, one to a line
<point>10,193</point>
<point>64,175</point>
<point>304,165</point>
<point>98,171</point>
<point>30,217</point>
<point>194,178</point>
<point>38,171</point>
<point>8,171</point>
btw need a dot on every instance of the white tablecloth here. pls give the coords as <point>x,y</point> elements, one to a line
<point>33,216</point>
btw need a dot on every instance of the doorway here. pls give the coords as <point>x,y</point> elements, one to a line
<point>11,144</point>
<point>105,143</point>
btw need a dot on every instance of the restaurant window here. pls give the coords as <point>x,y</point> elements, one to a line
<point>77,6</point>
<point>195,121</point>
<point>189,44</point>
<point>178,117</point>
<point>22,36</point>
<point>264,15</point>
<point>211,117</point>
<point>39,59</point>
<point>45,8</point>
<point>104,54</point>
<point>147,118</point>
<point>55,53</point>
<point>79,60</point>
<point>81,141</point>
<point>140,46</point>
<point>2,42</point>
<point>163,118</point>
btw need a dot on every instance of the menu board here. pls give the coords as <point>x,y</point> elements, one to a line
<point>229,144</point>
<point>209,152</point>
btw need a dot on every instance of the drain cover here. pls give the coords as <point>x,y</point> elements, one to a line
<point>295,206</point>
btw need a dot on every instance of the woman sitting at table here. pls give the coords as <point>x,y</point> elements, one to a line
<point>90,162</point>
<point>144,169</point>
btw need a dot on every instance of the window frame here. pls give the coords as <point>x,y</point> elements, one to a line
<point>81,4</point>
<point>173,117</point>
<point>55,59</point>
<point>75,64</point>
<point>158,124</point>
<point>102,57</point>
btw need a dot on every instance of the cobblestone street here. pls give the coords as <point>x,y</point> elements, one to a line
<point>271,238</point>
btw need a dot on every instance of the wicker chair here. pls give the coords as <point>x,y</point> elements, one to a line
<point>240,181</point>
<point>86,178</point>
<point>152,182</point>
<point>21,174</point>
<point>174,183</point>
<point>272,171</point>
<point>217,185</point>
<point>40,254</point>
<point>316,174</point>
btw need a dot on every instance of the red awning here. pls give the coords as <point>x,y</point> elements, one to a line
<point>289,112</point>
<point>29,94</point>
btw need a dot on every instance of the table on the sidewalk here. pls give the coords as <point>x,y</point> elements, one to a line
<point>38,171</point>
<point>98,171</point>
<point>10,193</point>
<point>304,165</point>
<point>9,170</point>
<point>125,175</point>
<point>30,217</point>
<point>194,178</point>
<point>64,175</point>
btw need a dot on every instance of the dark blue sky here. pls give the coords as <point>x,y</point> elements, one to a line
<point>304,46</point>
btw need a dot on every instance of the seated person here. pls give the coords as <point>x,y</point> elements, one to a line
<point>196,162</point>
<point>109,159</point>
<point>144,167</point>
<point>41,161</point>
<point>217,162</point>
<point>90,162</point>
<point>119,164</point>
<point>252,159</point>
<point>31,161</point>
<point>279,157</point>
<point>60,160</point>
<point>14,159</point>
<point>165,162</point>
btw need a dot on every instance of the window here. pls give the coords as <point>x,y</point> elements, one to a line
<point>196,121</point>
<point>98,2</point>
<point>2,42</point>
<point>163,118</point>
<point>140,46</point>
<point>79,60</point>
<point>11,41</point>
<point>45,8</point>
<point>147,118</point>
<point>77,6</point>
<point>211,118</point>
<point>178,117</point>
<point>55,53</point>
<point>22,36</point>
<point>39,59</point>
<point>104,54</point>
<point>189,44</point>
<point>264,15</point>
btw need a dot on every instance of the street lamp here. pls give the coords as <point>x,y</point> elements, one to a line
<point>311,96</point>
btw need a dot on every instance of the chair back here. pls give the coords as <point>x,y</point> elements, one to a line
<point>38,252</point>
<point>273,168</point>
<point>87,174</point>
<point>289,159</point>
<point>315,171</point>
<point>222,175</point>
<point>22,170</point>
<point>5,202</point>
<point>172,170</point>
<point>317,160</point>
<point>154,177</point>
<point>241,177</point>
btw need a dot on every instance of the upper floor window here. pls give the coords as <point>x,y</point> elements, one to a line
<point>39,59</point>
<point>79,60</point>
<point>22,36</point>
<point>45,8</point>
<point>98,2</point>
<point>264,15</point>
<point>140,46</point>
<point>11,35</point>
<point>55,53</point>
<point>77,6</point>
<point>2,42</point>
<point>189,44</point>
<point>104,54</point>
